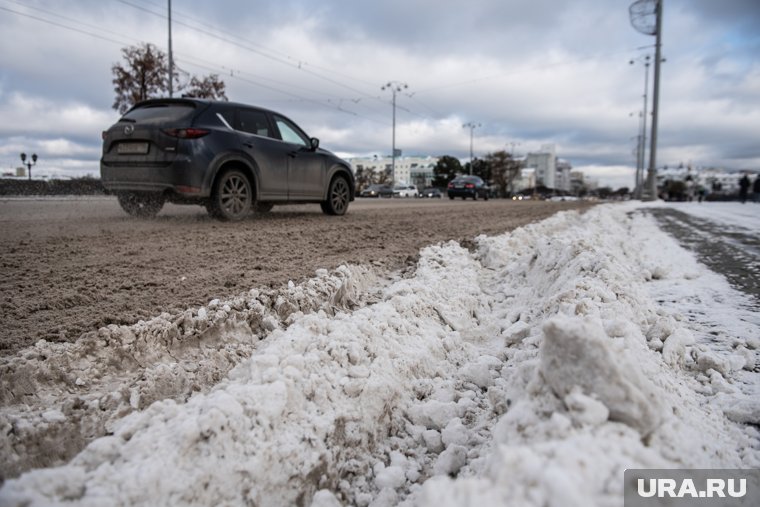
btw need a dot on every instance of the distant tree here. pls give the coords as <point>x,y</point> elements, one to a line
<point>446,170</point>
<point>504,171</point>
<point>480,167</point>
<point>210,87</point>
<point>364,178</point>
<point>604,192</point>
<point>144,75</point>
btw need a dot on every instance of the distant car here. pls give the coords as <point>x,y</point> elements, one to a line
<point>405,191</point>
<point>377,191</point>
<point>232,158</point>
<point>431,192</point>
<point>468,186</point>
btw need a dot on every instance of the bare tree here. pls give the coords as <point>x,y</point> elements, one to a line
<point>210,87</point>
<point>504,170</point>
<point>144,75</point>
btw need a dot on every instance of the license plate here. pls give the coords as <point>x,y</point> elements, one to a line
<point>458,186</point>
<point>132,148</point>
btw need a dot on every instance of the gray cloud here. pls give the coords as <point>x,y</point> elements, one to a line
<point>529,71</point>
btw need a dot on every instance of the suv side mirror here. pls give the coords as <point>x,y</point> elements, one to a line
<point>314,143</point>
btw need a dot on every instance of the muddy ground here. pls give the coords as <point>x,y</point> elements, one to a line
<point>70,266</point>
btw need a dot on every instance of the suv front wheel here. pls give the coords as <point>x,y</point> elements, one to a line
<point>232,197</point>
<point>338,197</point>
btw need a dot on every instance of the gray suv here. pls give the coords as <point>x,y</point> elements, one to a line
<point>231,158</point>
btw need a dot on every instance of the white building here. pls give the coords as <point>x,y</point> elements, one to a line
<point>412,170</point>
<point>550,171</point>
<point>544,162</point>
<point>527,179</point>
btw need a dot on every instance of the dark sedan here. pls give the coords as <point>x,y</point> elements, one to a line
<point>431,192</point>
<point>377,191</point>
<point>468,186</point>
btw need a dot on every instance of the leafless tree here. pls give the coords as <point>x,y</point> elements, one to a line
<point>144,75</point>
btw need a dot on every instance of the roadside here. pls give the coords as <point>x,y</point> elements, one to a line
<point>732,250</point>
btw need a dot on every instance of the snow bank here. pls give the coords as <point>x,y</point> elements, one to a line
<point>532,371</point>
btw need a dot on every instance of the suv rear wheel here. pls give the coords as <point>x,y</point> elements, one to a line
<point>232,197</point>
<point>140,204</point>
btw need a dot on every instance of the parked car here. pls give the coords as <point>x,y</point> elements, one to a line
<point>431,192</point>
<point>468,186</point>
<point>377,190</point>
<point>231,158</point>
<point>405,191</point>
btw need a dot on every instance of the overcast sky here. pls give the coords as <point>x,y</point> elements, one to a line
<point>529,72</point>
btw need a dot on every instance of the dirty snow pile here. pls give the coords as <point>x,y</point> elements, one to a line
<point>532,369</point>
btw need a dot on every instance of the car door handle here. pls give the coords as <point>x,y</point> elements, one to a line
<point>293,154</point>
<point>248,145</point>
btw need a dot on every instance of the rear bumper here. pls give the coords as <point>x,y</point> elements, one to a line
<point>179,177</point>
<point>461,192</point>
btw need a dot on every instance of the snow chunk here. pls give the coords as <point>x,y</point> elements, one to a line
<point>585,410</point>
<point>576,352</point>
<point>451,460</point>
<point>674,349</point>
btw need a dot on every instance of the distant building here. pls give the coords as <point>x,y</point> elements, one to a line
<point>544,162</point>
<point>21,172</point>
<point>411,170</point>
<point>714,180</point>
<point>526,179</point>
<point>550,171</point>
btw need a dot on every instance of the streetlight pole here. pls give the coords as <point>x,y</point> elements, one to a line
<point>641,157</point>
<point>641,12</point>
<point>30,163</point>
<point>395,87</point>
<point>651,174</point>
<point>472,126</point>
<point>171,58</point>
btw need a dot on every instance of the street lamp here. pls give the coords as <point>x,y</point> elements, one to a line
<point>29,164</point>
<point>394,87</point>
<point>472,126</point>
<point>646,17</point>
<point>642,148</point>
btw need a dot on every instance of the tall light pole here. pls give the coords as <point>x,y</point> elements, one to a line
<point>641,156</point>
<point>651,174</point>
<point>472,126</point>
<point>171,58</point>
<point>394,87</point>
<point>29,164</point>
<point>646,17</point>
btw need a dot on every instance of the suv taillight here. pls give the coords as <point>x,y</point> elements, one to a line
<point>190,133</point>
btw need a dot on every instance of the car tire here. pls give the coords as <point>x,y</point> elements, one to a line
<point>232,198</point>
<point>485,197</point>
<point>338,197</point>
<point>141,205</point>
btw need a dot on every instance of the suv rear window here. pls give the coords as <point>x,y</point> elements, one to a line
<point>159,113</point>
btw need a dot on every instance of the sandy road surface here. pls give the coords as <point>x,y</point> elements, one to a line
<point>73,265</point>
